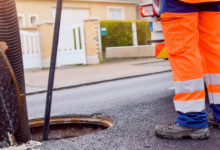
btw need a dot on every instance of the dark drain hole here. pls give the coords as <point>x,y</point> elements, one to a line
<point>69,127</point>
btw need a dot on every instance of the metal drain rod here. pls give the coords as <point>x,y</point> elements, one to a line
<point>52,70</point>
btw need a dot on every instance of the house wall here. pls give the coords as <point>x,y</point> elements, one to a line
<point>44,9</point>
<point>146,1</point>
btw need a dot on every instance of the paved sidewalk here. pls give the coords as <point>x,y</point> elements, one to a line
<point>72,76</point>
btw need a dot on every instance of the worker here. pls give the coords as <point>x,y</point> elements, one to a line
<point>192,36</point>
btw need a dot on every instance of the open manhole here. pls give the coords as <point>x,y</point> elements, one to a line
<point>69,126</point>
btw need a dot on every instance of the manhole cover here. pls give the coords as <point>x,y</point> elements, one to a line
<point>68,127</point>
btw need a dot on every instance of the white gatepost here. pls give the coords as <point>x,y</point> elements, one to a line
<point>100,43</point>
<point>134,34</point>
<point>100,38</point>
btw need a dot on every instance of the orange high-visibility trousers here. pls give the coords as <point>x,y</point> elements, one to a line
<point>192,37</point>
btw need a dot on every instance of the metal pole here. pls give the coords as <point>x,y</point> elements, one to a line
<point>52,71</point>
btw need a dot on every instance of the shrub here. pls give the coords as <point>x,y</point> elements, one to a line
<point>143,32</point>
<point>119,33</point>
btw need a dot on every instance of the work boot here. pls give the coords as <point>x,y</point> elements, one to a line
<point>176,131</point>
<point>212,121</point>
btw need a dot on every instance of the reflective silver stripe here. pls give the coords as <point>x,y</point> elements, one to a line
<point>214,98</point>
<point>190,106</point>
<point>207,79</point>
<point>189,86</point>
<point>211,99</point>
<point>212,78</point>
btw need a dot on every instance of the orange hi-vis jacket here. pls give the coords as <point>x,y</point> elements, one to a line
<point>199,1</point>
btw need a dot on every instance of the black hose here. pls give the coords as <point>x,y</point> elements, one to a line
<point>9,32</point>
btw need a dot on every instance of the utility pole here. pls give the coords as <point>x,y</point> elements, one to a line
<point>52,70</point>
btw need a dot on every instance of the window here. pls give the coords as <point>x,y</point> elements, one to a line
<point>115,13</point>
<point>21,20</point>
<point>71,16</point>
<point>33,19</point>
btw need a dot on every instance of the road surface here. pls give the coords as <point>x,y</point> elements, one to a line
<point>136,105</point>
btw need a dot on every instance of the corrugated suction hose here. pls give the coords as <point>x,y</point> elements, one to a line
<point>9,32</point>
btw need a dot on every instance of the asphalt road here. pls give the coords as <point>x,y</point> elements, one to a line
<point>136,105</point>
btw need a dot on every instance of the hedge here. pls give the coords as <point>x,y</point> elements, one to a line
<point>119,33</point>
